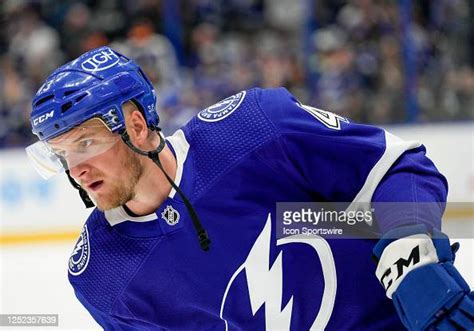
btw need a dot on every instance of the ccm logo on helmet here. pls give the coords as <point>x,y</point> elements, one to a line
<point>100,61</point>
<point>42,118</point>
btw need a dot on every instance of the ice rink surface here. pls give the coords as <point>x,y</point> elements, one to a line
<point>34,281</point>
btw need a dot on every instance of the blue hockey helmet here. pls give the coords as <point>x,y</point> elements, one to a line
<point>95,85</point>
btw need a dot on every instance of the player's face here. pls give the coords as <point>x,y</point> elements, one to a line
<point>109,174</point>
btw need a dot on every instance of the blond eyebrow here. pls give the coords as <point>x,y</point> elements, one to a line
<point>81,136</point>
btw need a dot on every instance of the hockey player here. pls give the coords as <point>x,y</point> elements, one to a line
<point>184,233</point>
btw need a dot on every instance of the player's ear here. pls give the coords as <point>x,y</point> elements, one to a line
<point>135,124</point>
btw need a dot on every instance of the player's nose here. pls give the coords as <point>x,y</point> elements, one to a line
<point>79,171</point>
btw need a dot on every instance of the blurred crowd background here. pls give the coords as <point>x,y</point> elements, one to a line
<point>377,62</point>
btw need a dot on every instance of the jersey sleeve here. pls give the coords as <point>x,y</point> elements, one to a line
<point>341,161</point>
<point>413,191</point>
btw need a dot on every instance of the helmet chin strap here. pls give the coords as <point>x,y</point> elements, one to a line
<point>84,196</point>
<point>82,193</point>
<point>203,237</point>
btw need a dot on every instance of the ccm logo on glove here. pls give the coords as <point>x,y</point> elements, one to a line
<point>402,256</point>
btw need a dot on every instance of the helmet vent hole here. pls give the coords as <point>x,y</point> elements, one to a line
<point>69,92</point>
<point>56,126</point>
<point>66,106</point>
<point>79,98</point>
<point>43,100</point>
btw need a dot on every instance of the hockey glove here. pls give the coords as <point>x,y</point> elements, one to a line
<point>416,269</point>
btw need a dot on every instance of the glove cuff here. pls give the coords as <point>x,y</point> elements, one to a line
<point>418,307</point>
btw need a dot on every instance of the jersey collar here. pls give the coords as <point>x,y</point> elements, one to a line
<point>180,148</point>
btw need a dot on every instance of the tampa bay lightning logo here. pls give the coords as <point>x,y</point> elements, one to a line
<point>81,254</point>
<point>222,109</point>
<point>103,59</point>
<point>265,283</point>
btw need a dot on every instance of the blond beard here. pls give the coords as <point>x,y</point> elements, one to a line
<point>123,190</point>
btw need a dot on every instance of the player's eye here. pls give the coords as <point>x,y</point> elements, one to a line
<point>84,145</point>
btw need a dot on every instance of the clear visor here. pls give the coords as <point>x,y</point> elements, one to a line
<point>72,148</point>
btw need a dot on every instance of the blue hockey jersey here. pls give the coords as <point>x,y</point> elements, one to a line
<point>236,160</point>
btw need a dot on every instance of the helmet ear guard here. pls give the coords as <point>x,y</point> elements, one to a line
<point>151,126</point>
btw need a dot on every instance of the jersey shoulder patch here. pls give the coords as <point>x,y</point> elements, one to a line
<point>81,254</point>
<point>222,109</point>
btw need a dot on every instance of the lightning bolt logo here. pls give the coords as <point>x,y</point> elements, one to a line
<point>80,254</point>
<point>220,104</point>
<point>78,246</point>
<point>265,285</point>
